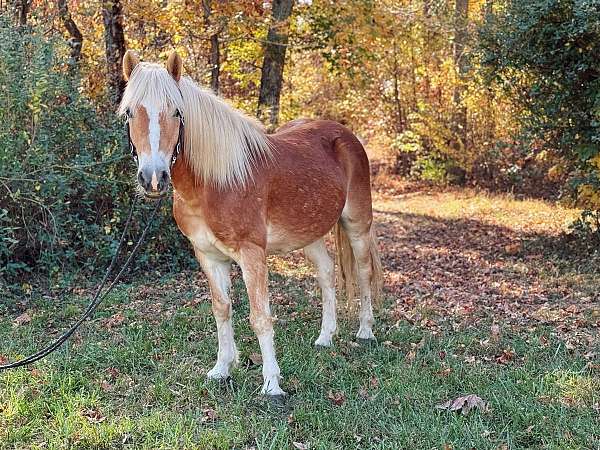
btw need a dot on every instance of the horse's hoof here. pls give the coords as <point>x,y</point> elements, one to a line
<point>225,382</point>
<point>272,390</point>
<point>323,343</point>
<point>278,399</point>
<point>365,334</point>
<point>367,341</point>
<point>218,377</point>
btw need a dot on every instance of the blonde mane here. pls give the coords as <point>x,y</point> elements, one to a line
<point>221,144</point>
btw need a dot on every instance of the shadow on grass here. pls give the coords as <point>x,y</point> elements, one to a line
<point>464,270</point>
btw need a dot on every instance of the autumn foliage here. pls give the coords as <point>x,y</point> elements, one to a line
<point>498,94</point>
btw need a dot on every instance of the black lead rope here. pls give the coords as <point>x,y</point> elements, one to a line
<point>98,297</point>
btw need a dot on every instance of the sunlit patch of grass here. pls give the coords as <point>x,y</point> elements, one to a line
<point>574,389</point>
<point>499,209</point>
<point>290,267</point>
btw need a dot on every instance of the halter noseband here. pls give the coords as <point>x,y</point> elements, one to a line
<point>178,146</point>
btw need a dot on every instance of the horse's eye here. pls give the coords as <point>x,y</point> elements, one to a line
<point>128,113</point>
<point>177,113</point>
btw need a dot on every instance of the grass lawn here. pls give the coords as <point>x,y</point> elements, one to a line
<point>474,306</point>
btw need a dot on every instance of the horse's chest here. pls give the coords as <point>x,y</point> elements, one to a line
<point>195,228</point>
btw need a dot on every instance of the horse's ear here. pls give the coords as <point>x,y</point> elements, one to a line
<point>130,60</point>
<point>175,65</point>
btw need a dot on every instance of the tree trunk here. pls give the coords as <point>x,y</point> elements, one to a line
<point>271,78</point>
<point>21,11</point>
<point>114,38</point>
<point>400,113</point>
<point>460,37</point>
<point>213,56</point>
<point>76,40</point>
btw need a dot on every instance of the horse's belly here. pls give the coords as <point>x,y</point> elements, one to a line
<point>303,213</point>
<point>283,239</point>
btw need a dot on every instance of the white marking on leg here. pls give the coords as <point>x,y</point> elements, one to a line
<point>254,269</point>
<point>360,247</point>
<point>270,371</point>
<point>218,274</point>
<point>318,255</point>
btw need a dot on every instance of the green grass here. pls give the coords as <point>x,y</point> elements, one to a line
<point>142,384</point>
<point>135,376</point>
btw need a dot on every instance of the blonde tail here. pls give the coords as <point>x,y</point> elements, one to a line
<point>346,267</point>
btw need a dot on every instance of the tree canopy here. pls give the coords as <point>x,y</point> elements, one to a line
<point>500,94</point>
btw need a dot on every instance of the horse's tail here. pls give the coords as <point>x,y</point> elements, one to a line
<point>346,265</point>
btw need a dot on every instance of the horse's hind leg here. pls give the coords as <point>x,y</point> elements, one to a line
<point>218,273</point>
<point>359,235</point>
<point>318,255</point>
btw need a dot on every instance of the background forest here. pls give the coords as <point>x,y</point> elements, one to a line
<point>497,94</point>
<point>482,122</point>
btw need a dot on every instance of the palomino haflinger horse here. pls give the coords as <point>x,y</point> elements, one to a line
<point>240,194</point>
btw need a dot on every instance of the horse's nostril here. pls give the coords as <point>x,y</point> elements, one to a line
<point>141,179</point>
<point>164,181</point>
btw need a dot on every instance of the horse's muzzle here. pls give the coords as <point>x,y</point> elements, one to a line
<point>155,183</point>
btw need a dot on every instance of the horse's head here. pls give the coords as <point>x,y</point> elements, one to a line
<point>152,104</point>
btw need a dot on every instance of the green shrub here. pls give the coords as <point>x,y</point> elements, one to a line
<point>544,53</point>
<point>66,179</point>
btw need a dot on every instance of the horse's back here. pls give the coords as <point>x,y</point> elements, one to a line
<point>323,145</point>
<point>312,136</point>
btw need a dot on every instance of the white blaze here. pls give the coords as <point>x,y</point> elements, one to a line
<point>156,160</point>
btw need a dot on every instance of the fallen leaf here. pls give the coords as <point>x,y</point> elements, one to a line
<point>512,249</point>
<point>114,321</point>
<point>337,398</point>
<point>464,404</point>
<point>374,382</point>
<point>444,372</point>
<point>505,357</point>
<point>106,386</point>
<point>300,446</point>
<point>113,372</point>
<point>22,319</point>
<point>256,358</point>
<point>209,415</point>
<point>3,359</point>
<point>93,415</point>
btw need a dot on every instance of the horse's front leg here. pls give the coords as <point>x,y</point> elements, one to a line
<point>253,263</point>
<point>218,273</point>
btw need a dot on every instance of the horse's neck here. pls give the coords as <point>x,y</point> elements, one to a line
<point>185,182</point>
<point>192,189</point>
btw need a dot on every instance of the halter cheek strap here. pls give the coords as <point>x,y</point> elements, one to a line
<point>180,138</point>
<point>178,146</point>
